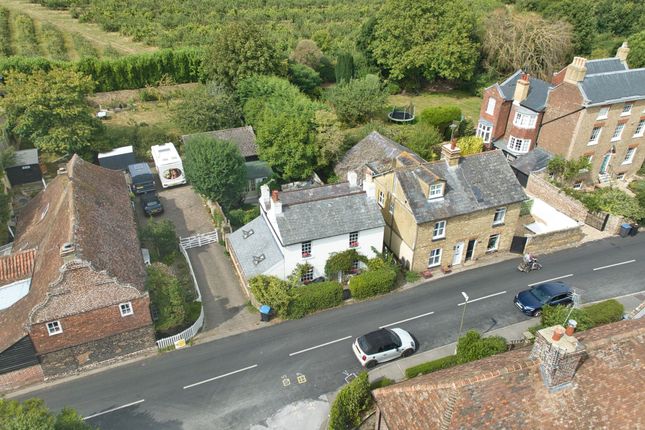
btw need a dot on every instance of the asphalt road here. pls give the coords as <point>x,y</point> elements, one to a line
<point>238,381</point>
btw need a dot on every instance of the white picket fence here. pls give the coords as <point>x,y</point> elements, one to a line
<point>191,331</point>
<point>199,239</point>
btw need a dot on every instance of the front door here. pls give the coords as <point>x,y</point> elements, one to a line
<point>470,250</point>
<point>458,253</point>
<point>605,164</point>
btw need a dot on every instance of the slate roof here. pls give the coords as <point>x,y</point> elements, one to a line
<point>243,137</point>
<point>613,87</point>
<point>25,157</point>
<point>480,181</point>
<point>325,211</point>
<point>506,391</point>
<point>538,91</point>
<point>604,65</point>
<point>535,160</point>
<point>255,248</point>
<point>90,207</point>
<point>17,266</point>
<point>375,150</point>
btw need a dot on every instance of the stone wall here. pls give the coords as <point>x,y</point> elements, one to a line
<point>74,358</point>
<point>20,378</point>
<point>549,242</point>
<point>552,195</point>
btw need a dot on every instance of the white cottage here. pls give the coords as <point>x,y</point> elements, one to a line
<point>307,226</point>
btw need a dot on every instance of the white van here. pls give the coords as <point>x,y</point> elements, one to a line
<point>169,165</point>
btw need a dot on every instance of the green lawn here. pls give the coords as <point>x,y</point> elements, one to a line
<point>469,104</point>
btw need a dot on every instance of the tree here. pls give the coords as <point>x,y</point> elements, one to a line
<point>160,238</point>
<point>305,78</point>
<point>216,169</point>
<point>207,107</point>
<point>636,57</point>
<point>32,414</point>
<point>525,40</point>
<point>358,100</point>
<point>49,109</point>
<point>344,68</point>
<point>307,53</point>
<point>567,170</point>
<point>329,140</point>
<point>581,14</point>
<point>430,39</point>
<point>470,145</point>
<point>241,49</point>
<point>424,139</point>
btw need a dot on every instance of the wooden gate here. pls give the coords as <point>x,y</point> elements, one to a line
<point>518,244</point>
<point>597,220</point>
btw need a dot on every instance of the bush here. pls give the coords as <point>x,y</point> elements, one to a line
<point>351,401</point>
<point>272,291</point>
<point>431,366</point>
<point>441,117</point>
<point>314,297</point>
<point>342,262</point>
<point>554,315</point>
<point>240,217</point>
<point>412,276</point>
<point>167,295</point>
<point>605,312</point>
<point>381,383</point>
<point>472,346</point>
<point>372,283</point>
<point>160,238</point>
<point>344,68</point>
<point>358,100</point>
<point>424,139</point>
<point>305,78</point>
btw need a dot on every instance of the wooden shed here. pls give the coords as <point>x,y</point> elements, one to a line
<point>25,168</point>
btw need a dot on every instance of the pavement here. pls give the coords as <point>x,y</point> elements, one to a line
<point>283,373</point>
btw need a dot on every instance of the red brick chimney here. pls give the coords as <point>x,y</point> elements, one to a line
<point>559,356</point>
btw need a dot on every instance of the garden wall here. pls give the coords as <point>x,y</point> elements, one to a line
<point>542,189</point>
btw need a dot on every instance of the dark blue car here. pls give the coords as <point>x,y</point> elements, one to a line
<point>532,300</point>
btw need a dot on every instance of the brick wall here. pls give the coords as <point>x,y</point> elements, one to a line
<point>549,242</point>
<point>92,325</point>
<point>560,121</point>
<point>20,378</point>
<point>72,359</point>
<point>543,190</point>
<point>499,118</point>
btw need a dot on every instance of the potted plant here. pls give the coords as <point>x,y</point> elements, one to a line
<point>447,269</point>
<point>427,273</point>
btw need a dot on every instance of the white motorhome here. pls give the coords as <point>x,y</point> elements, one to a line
<point>169,165</point>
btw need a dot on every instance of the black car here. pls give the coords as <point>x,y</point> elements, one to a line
<point>532,300</point>
<point>151,204</point>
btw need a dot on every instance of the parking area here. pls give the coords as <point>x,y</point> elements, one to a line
<point>223,299</point>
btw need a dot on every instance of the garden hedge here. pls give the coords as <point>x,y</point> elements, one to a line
<point>431,366</point>
<point>372,283</point>
<point>351,401</point>
<point>441,117</point>
<point>472,346</point>
<point>605,312</point>
<point>314,297</point>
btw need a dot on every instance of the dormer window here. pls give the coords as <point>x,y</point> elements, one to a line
<point>436,190</point>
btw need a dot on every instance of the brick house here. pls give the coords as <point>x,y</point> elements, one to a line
<point>592,108</point>
<point>446,213</point>
<point>592,380</point>
<point>73,286</point>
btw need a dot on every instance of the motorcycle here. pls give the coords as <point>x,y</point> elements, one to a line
<point>529,266</point>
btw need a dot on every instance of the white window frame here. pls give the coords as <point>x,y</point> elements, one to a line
<point>595,137</point>
<point>495,246</point>
<point>618,132</point>
<point>439,230</point>
<point>305,249</point>
<point>603,113</point>
<point>523,120</point>
<point>500,215</point>
<point>620,176</point>
<point>485,132</point>
<point>54,328</point>
<point>434,258</point>
<point>381,198</point>
<point>126,309</point>
<point>627,109</point>
<point>577,185</point>
<point>353,239</point>
<point>524,144</point>
<point>640,129</point>
<point>308,276</point>
<point>629,155</point>
<point>490,106</point>
<point>436,190</point>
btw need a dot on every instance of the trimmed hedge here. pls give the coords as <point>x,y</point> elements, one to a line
<point>441,117</point>
<point>431,366</point>
<point>314,297</point>
<point>351,401</point>
<point>372,283</point>
<point>554,315</point>
<point>605,312</point>
<point>472,346</point>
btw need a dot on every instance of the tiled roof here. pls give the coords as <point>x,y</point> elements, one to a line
<point>243,137</point>
<point>325,211</point>
<point>538,91</point>
<point>613,87</point>
<point>375,150</point>
<point>16,266</point>
<point>255,247</point>
<point>604,65</point>
<point>534,161</point>
<point>506,391</point>
<point>480,181</point>
<point>89,207</point>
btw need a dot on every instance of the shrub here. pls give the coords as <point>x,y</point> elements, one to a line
<point>431,366</point>
<point>307,53</point>
<point>239,217</point>
<point>372,283</point>
<point>351,401</point>
<point>605,312</point>
<point>358,100</point>
<point>5,33</point>
<point>314,297</point>
<point>472,346</point>
<point>305,78</point>
<point>342,262</point>
<point>412,276</point>
<point>424,139</point>
<point>441,117</point>
<point>381,383</point>
<point>160,238</point>
<point>344,68</point>
<point>167,295</point>
<point>272,291</point>
<point>553,315</point>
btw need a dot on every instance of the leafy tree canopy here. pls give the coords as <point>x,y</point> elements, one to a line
<point>359,100</point>
<point>49,110</point>
<point>307,53</point>
<point>216,169</point>
<point>207,107</point>
<point>430,39</point>
<point>470,145</point>
<point>305,78</point>
<point>636,57</point>
<point>241,49</point>
<point>32,414</point>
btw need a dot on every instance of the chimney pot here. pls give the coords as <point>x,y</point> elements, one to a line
<point>571,327</point>
<point>453,143</point>
<point>275,195</point>
<point>557,334</point>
